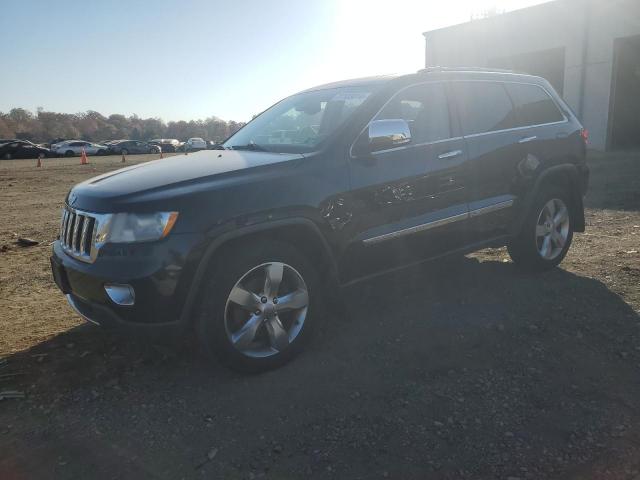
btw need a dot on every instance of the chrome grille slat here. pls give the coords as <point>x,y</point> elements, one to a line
<point>77,231</point>
<point>65,212</point>
<point>77,234</point>
<point>70,227</point>
<point>65,222</point>
<point>83,236</point>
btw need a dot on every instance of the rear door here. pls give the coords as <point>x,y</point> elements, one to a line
<point>409,202</point>
<point>489,125</point>
<point>545,129</point>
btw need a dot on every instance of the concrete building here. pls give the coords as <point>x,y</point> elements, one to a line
<point>588,49</point>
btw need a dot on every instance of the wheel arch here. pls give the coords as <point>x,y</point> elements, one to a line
<point>566,176</point>
<point>303,233</point>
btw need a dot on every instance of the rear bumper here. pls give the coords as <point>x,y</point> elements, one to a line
<point>161,275</point>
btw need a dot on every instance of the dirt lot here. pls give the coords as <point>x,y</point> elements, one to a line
<point>458,369</point>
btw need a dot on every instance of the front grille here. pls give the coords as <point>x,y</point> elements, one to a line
<point>77,234</point>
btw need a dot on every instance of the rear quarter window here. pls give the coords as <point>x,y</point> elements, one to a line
<point>533,104</point>
<point>484,107</point>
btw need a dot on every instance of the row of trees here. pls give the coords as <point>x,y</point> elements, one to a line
<point>92,126</point>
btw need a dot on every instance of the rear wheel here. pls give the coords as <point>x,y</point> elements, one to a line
<point>7,156</point>
<point>546,234</point>
<point>69,153</point>
<point>259,308</point>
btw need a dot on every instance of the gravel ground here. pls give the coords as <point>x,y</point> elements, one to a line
<point>464,368</point>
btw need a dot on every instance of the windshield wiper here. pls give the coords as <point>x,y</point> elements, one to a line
<point>250,146</point>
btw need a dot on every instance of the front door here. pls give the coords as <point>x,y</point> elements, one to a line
<point>408,202</point>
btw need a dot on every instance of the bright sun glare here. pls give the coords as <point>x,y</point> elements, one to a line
<point>375,37</point>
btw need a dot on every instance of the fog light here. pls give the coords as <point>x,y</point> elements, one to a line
<point>119,293</point>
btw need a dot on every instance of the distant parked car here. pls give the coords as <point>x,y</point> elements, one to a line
<point>22,149</point>
<point>194,144</point>
<point>211,145</point>
<point>71,148</point>
<point>133,146</point>
<point>166,144</point>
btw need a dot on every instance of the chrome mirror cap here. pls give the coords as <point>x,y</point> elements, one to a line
<point>384,134</point>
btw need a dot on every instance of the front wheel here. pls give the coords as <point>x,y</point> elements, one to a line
<point>69,153</point>
<point>258,307</point>
<point>546,234</point>
<point>7,156</point>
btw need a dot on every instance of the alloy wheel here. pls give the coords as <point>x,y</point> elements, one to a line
<point>266,309</point>
<point>552,229</point>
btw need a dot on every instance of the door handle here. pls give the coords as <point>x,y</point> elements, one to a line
<point>528,139</point>
<point>451,154</point>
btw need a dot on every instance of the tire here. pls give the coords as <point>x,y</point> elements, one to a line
<point>7,156</point>
<point>546,234</point>
<point>102,152</point>
<point>124,151</point>
<point>264,333</point>
<point>69,153</point>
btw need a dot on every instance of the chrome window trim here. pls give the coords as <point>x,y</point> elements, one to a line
<point>439,223</point>
<point>472,135</point>
<point>351,155</point>
<point>524,127</point>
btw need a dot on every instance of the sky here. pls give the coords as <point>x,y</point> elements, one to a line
<point>193,59</point>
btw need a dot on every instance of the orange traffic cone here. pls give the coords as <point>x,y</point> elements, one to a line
<point>39,164</point>
<point>83,158</point>
<point>123,159</point>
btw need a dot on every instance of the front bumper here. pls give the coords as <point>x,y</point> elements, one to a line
<point>161,274</point>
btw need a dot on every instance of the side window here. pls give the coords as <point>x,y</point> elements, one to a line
<point>534,106</point>
<point>425,109</point>
<point>76,144</point>
<point>484,107</point>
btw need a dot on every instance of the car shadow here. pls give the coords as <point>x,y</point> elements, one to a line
<point>453,366</point>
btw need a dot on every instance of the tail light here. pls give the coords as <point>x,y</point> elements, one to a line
<point>584,133</point>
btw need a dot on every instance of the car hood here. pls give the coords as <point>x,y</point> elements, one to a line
<point>174,176</point>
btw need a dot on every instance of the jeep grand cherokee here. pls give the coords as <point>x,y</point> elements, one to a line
<point>330,186</point>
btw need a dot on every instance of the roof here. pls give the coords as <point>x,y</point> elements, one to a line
<point>355,82</point>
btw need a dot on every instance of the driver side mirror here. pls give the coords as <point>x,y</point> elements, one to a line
<point>390,133</point>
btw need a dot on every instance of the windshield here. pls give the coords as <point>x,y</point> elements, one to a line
<point>299,123</point>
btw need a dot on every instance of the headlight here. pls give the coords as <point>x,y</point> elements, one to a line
<point>135,227</point>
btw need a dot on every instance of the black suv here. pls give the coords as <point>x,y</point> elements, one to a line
<point>126,147</point>
<point>327,187</point>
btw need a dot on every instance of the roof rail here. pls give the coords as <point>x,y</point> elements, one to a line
<point>465,69</point>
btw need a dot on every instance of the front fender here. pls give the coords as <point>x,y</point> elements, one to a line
<point>216,243</point>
